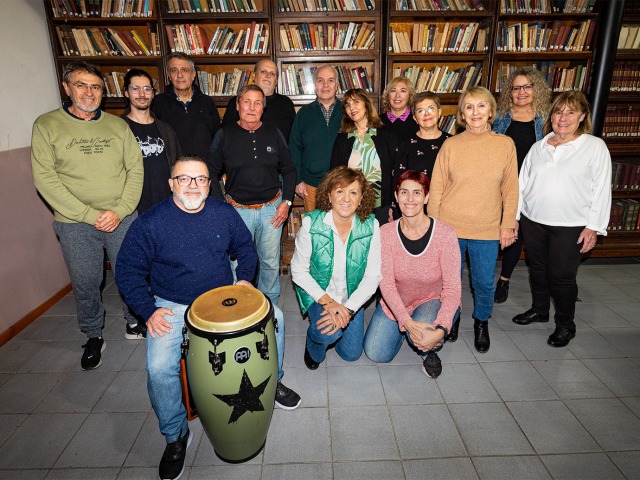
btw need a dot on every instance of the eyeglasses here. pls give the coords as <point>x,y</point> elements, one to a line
<point>84,86</point>
<point>267,73</point>
<point>526,88</point>
<point>424,111</point>
<point>185,180</point>
<point>137,88</point>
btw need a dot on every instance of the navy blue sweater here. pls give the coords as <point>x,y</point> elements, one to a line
<point>182,254</point>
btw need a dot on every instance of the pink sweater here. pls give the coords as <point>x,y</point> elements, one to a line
<point>410,280</point>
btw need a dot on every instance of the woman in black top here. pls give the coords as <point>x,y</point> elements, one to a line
<point>522,109</point>
<point>396,113</point>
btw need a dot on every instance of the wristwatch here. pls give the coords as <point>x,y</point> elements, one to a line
<point>288,202</point>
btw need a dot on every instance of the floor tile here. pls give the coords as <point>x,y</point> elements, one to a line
<point>9,424</point>
<point>489,429</point>
<point>44,435</point>
<point>588,343</point>
<point>571,379</point>
<point>633,403</point>
<point>367,470</point>
<point>628,463</point>
<point>351,386</point>
<point>235,472</point>
<point>615,275</point>
<point>533,344</point>
<point>139,473</point>
<point>126,393</point>
<point>599,315</point>
<point>517,381</point>
<point>426,431</point>
<point>54,357</point>
<point>138,359</point>
<point>627,340</point>
<point>440,469</point>
<point>148,447</point>
<point>538,419</point>
<point>466,383</point>
<point>25,474</point>
<point>620,375</point>
<point>83,474</point>
<point>606,293</point>
<point>15,354</point>
<point>628,311</point>
<point>502,348</point>
<point>116,354</point>
<point>297,471</point>
<point>104,440</point>
<point>609,421</point>
<point>408,385</point>
<point>591,466</point>
<point>23,392</point>
<point>311,386</point>
<point>509,468</point>
<point>456,352</point>
<point>301,435</point>
<point>362,433</point>
<point>76,392</point>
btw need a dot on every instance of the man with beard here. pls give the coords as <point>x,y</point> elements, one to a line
<point>88,167</point>
<point>178,250</point>
<point>278,110</point>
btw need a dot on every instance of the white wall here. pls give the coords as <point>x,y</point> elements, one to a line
<point>27,77</point>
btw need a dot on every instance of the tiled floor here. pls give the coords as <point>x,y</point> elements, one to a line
<point>524,410</point>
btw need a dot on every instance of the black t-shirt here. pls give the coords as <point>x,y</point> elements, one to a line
<point>418,154</point>
<point>416,247</point>
<point>523,135</point>
<point>156,165</point>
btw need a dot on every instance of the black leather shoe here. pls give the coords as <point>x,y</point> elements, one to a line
<point>530,316</point>
<point>561,337</point>
<point>453,334</point>
<point>308,361</point>
<point>481,339</point>
<point>502,291</point>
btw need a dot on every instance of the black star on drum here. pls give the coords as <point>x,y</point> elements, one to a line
<point>246,400</point>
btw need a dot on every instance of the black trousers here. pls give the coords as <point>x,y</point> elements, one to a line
<point>554,258</point>
<point>510,257</point>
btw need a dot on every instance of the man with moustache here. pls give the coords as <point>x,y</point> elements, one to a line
<point>87,166</point>
<point>178,250</point>
<point>192,114</point>
<point>278,111</point>
<point>312,135</point>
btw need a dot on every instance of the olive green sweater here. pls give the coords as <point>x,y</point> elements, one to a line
<point>474,187</point>
<point>82,168</point>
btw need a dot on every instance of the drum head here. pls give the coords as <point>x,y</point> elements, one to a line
<point>228,309</point>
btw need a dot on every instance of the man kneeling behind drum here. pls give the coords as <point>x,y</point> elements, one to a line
<point>172,254</point>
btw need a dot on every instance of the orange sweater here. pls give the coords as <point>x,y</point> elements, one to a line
<point>474,187</point>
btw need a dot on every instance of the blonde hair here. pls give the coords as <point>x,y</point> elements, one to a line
<point>393,83</point>
<point>574,99</point>
<point>476,92</point>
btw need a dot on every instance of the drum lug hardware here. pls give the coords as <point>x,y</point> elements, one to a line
<point>184,346</point>
<point>275,324</point>
<point>263,346</point>
<point>216,360</point>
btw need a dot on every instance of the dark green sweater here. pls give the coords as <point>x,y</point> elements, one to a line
<point>311,142</point>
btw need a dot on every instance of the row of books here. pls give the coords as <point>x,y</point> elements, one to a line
<point>298,80</point>
<point>440,5</point>
<point>447,123</point>
<point>102,8</point>
<point>205,6</point>
<point>624,215</point>
<point>546,6</point>
<point>440,37</point>
<point>193,39</point>
<point>626,77</point>
<point>440,79</point>
<point>545,36</point>
<point>622,121</point>
<point>114,83</point>
<point>325,5</point>
<point>561,76</point>
<point>625,175</point>
<point>327,36</point>
<point>224,83</point>
<point>95,41</point>
<point>629,38</point>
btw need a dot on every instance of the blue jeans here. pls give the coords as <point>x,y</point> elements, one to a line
<point>483,256</point>
<point>348,340</point>
<point>383,339</point>
<point>163,370</point>
<point>267,242</point>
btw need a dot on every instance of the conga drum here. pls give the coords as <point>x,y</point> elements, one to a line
<point>232,368</point>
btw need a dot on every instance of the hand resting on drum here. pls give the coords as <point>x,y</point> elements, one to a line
<point>157,324</point>
<point>244,282</point>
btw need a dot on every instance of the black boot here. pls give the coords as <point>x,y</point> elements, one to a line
<point>481,336</point>
<point>502,291</point>
<point>453,334</point>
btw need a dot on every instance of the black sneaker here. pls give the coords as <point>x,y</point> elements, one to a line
<point>286,398</point>
<point>432,366</point>
<point>172,463</point>
<point>135,332</point>
<point>91,357</point>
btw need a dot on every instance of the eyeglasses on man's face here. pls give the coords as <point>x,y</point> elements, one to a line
<point>185,180</point>
<point>527,88</point>
<point>85,86</point>
<point>137,89</point>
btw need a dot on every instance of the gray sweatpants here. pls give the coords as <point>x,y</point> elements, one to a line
<point>83,249</point>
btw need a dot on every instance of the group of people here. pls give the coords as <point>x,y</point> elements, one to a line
<point>183,202</point>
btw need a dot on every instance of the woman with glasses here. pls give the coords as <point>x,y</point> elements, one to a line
<point>522,109</point>
<point>396,112</point>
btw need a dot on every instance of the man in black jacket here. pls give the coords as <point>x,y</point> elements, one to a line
<point>192,114</point>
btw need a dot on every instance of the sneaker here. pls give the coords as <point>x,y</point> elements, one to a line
<point>286,398</point>
<point>172,463</point>
<point>135,332</point>
<point>91,358</point>
<point>432,366</point>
